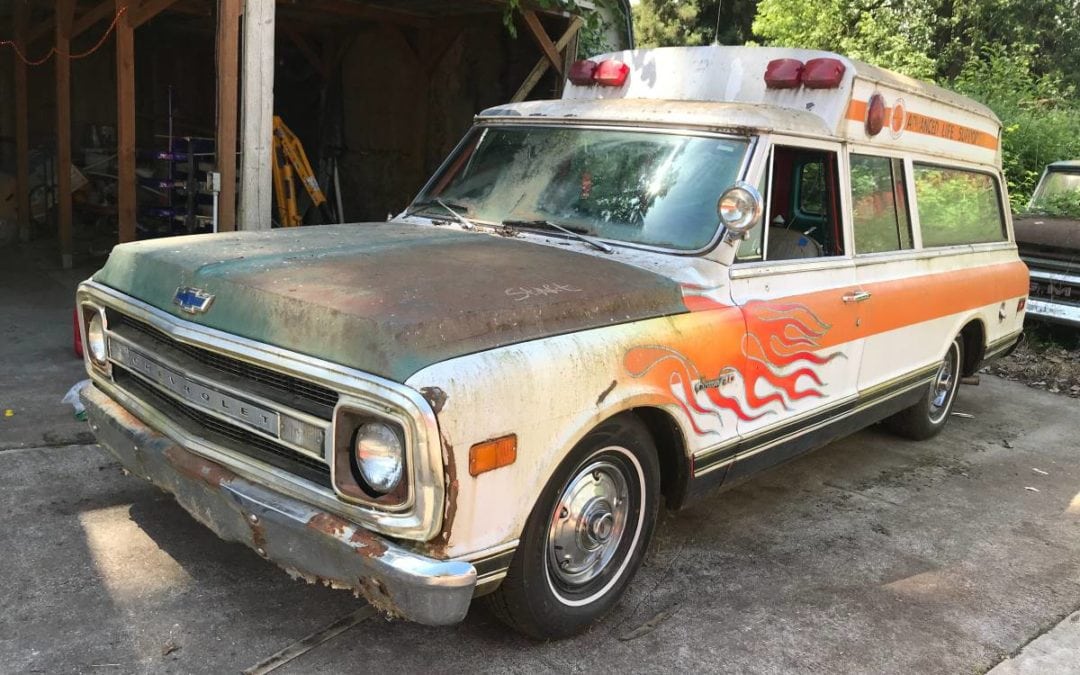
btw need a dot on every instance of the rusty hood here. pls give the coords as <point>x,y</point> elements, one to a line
<point>388,298</point>
<point>1049,237</point>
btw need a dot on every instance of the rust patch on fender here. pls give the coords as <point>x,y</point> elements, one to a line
<point>196,467</point>
<point>437,546</point>
<point>435,396</point>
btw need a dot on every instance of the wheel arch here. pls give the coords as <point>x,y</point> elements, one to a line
<point>973,335</point>
<point>671,449</point>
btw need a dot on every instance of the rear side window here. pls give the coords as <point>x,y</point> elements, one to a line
<point>957,206</point>
<point>879,204</point>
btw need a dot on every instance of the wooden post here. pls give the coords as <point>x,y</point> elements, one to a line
<point>22,132</point>
<point>257,116</point>
<point>568,42</point>
<point>125,123</point>
<point>228,56</point>
<point>65,14</point>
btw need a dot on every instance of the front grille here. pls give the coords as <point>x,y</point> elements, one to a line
<point>214,430</point>
<point>1054,291</point>
<point>285,389</point>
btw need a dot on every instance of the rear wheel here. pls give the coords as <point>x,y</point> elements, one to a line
<point>927,418</point>
<point>586,536</point>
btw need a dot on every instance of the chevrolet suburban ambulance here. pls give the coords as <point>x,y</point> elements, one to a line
<point>699,263</point>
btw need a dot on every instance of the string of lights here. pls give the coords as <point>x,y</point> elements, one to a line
<point>52,51</point>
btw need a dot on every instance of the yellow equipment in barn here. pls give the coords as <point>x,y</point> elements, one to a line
<point>290,160</point>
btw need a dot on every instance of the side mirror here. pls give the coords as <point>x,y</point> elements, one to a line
<point>740,207</point>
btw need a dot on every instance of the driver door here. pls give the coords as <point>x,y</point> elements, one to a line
<point>802,307</point>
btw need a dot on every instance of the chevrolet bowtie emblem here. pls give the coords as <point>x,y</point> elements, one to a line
<point>192,300</point>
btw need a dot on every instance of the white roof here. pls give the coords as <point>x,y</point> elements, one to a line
<point>715,116</point>
<point>724,87</point>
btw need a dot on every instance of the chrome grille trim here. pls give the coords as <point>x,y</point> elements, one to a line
<point>418,518</point>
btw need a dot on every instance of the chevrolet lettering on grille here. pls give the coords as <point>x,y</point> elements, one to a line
<point>194,393</point>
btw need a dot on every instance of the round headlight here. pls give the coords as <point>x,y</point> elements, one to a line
<point>95,340</point>
<point>379,456</point>
<point>740,207</point>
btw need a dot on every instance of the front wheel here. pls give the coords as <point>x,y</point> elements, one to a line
<point>927,418</point>
<point>586,536</point>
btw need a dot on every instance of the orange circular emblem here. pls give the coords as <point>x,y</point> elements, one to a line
<point>897,118</point>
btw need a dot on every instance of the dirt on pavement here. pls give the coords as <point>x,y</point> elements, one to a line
<point>1049,359</point>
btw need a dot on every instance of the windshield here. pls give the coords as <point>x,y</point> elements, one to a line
<point>1058,194</point>
<point>645,187</point>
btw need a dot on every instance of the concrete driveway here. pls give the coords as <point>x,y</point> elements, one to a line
<point>871,555</point>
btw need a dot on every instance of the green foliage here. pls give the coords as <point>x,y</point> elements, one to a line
<point>592,39</point>
<point>663,23</point>
<point>1019,57</point>
<point>1062,205</point>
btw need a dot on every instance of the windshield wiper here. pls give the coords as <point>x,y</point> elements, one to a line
<point>451,208</point>
<point>547,224</point>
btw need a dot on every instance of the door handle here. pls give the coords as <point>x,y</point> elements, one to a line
<point>857,296</point>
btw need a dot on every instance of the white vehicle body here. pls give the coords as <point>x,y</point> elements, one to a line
<point>779,340</point>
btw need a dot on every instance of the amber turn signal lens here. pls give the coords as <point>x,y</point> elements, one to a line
<point>491,455</point>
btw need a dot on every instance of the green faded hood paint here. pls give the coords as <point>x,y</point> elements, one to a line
<point>387,298</point>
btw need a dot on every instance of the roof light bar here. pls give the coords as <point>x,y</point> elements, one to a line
<point>825,73</point>
<point>581,73</point>
<point>609,73</point>
<point>783,73</point>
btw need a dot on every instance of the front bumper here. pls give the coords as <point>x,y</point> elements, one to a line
<point>304,540</point>
<point>1055,312</point>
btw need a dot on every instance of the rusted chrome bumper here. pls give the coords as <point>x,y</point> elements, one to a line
<point>1056,312</point>
<point>302,539</point>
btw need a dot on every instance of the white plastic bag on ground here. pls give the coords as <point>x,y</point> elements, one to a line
<point>72,397</point>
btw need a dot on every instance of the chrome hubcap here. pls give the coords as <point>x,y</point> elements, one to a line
<point>943,385</point>
<point>588,523</point>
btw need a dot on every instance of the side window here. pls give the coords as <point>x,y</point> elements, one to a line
<point>958,206</point>
<point>879,204</point>
<point>811,183</point>
<point>803,210</point>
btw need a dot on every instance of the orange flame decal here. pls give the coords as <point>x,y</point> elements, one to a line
<point>781,347</point>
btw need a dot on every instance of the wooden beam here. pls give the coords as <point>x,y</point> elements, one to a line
<point>146,10</point>
<point>540,35</point>
<point>542,65</point>
<point>22,128</point>
<point>105,10</point>
<point>257,116</point>
<point>65,14</point>
<point>125,123</point>
<point>228,58</point>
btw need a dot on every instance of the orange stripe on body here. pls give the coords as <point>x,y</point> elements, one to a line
<point>930,126</point>
<point>906,302</point>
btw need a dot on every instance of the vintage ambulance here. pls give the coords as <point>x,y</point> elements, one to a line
<point>701,262</point>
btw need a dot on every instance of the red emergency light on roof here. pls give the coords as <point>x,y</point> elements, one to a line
<point>783,73</point>
<point>610,73</point>
<point>581,73</point>
<point>824,73</point>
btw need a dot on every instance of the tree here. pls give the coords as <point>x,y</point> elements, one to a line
<point>665,23</point>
